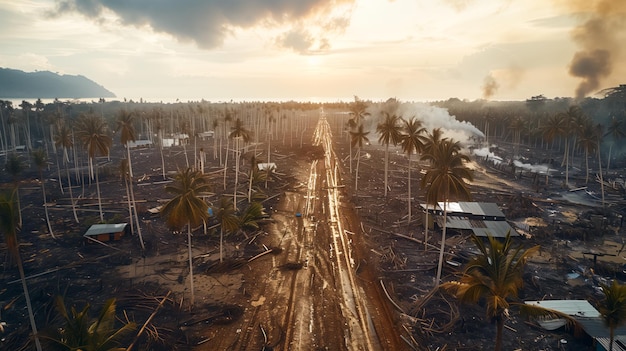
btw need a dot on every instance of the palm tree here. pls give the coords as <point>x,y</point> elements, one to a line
<point>431,142</point>
<point>64,139</point>
<point>125,126</point>
<point>552,128</point>
<point>26,109</point>
<point>598,133</point>
<point>568,119</point>
<point>616,131</point>
<point>251,215</point>
<point>132,204</point>
<point>239,133</point>
<point>494,275</point>
<point>358,137</point>
<point>41,161</point>
<point>187,207</point>
<point>588,141</point>
<point>445,179</point>
<point>92,132</point>
<point>15,166</point>
<point>358,112</point>
<point>613,307</point>
<point>225,214</point>
<point>412,141</point>
<point>79,332</point>
<point>9,226</point>
<point>389,131</point>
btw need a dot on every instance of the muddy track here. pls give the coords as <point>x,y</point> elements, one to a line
<point>310,297</point>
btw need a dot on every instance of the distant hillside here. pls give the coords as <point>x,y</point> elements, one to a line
<point>16,84</point>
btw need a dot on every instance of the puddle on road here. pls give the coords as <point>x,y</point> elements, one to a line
<point>259,302</point>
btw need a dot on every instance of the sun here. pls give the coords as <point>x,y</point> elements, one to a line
<point>314,60</point>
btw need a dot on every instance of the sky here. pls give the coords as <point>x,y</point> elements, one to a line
<point>322,50</point>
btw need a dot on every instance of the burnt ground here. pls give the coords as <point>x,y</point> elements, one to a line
<point>247,302</point>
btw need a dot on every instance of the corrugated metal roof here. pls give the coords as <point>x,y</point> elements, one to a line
<point>98,229</point>
<point>488,209</point>
<point>596,328</point>
<point>497,229</point>
<point>579,308</point>
<point>619,343</point>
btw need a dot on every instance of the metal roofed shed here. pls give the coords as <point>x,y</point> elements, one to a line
<point>106,232</point>
<point>588,318</point>
<point>266,166</point>
<point>481,218</point>
<point>496,229</point>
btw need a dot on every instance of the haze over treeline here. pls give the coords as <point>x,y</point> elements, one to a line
<point>493,118</point>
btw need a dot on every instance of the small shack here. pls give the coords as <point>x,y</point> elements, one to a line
<point>589,319</point>
<point>106,232</point>
<point>264,166</point>
<point>139,144</point>
<point>479,218</point>
<point>206,135</point>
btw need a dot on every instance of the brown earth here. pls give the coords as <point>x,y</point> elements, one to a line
<point>331,269</point>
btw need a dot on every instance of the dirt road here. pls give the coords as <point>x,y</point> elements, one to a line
<point>320,293</point>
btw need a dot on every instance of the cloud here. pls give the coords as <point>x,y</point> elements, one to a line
<point>209,22</point>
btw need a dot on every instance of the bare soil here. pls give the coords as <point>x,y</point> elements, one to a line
<point>363,280</point>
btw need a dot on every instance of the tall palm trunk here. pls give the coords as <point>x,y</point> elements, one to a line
<point>499,330</point>
<point>356,178</point>
<point>69,187</point>
<point>29,306</point>
<point>236,172</point>
<point>226,162</point>
<point>600,171</point>
<point>45,204</point>
<point>129,204</point>
<point>221,244</point>
<point>98,192</point>
<point>130,163</point>
<point>193,295</point>
<point>443,236</point>
<point>132,195</point>
<point>386,167</point>
<point>409,189</point>
<point>161,151</point>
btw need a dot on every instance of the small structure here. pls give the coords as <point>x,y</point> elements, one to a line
<point>177,139</point>
<point>206,135</point>
<point>106,232</point>
<point>587,317</point>
<point>480,218</point>
<point>266,166</point>
<point>139,143</point>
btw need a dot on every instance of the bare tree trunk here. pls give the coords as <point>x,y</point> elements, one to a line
<point>45,204</point>
<point>31,316</point>
<point>443,240</point>
<point>193,295</point>
<point>99,197</point>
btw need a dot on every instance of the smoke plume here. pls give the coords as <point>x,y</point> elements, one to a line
<point>490,86</point>
<point>599,40</point>
<point>431,116</point>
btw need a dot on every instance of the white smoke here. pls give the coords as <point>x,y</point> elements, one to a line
<point>431,116</point>
<point>496,160</point>
<point>484,152</point>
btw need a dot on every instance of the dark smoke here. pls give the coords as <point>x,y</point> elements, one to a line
<point>598,38</point>
<point>490,86</point>
<point>590,66</point>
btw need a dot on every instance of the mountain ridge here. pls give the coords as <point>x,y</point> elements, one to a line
<point>16,84</point>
